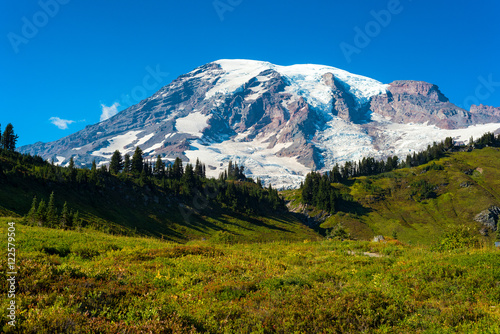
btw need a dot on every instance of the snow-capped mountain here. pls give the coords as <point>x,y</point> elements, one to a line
<point>280,122</point>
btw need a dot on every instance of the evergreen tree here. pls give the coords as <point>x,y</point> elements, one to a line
<point>198,168</point>
<point>9,139</point>
<point>51,212</point>
<point>159,166</point>
<point>143,178</point>
<point>126,163</point>
<point>32,213</point>
<point>116,163</point>
<point>103,169</point>
<point>448,143</point>
<point>188,179</point>
<point>93,172</point>
<point>177,169</point>
<point>71,169</point>
<point>259,183</point>
<point>137,161</point>
<point>41,213</point>
<point>65,216</point>
<point>76,219</point>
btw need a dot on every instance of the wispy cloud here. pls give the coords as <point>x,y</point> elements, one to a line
<point>60,123</point>
<point>110,111</point>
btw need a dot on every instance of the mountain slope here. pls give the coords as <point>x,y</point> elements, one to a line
<point>278,121</point>
<point>121,205</point>
<point>459,187</point>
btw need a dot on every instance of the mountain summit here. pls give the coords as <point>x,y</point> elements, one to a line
<point>280,122</point>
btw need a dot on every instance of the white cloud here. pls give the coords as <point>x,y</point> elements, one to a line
<point>60,123</point>
<point>110,111</point>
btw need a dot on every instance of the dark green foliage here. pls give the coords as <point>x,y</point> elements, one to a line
<point>41,213</point>
<point>116,163</point>
<point>8,139</point>
<point>137,161</point>
<point>159,168</point>
<point>317,191</point>
<point>51,212</point>
<point>448,143</point>
<point>199,169</point>
<point>434,166</point>
<point>32,214</point>
<point>127,165</point>
<point>65,216</point>
<point>338,232</point>
<point>421,190</point>
<point>176,171</point>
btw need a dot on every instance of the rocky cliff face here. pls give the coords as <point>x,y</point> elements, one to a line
<point>419,102</point>
<point>482,114</point>
<point>278,121</point>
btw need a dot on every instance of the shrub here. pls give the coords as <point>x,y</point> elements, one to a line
<point>459,237</point>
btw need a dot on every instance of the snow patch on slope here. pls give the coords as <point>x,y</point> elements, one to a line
<point>258,160</point>
<point>117,143</point>
<point>193,124</point>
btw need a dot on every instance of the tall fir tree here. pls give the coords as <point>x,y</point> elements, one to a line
<point>51,212</point>
<point>116,164</point>
<point>65,216</point>
<point>71,169</point>
<point>9,138</point>
<point>126,163</point>
<point>177,169</point>
<point>188,180</point>
<point>32,213</point>
<point>41,213</point>
<point>76,219</point>
<point>137,161</point>
<point>198,170</point>
<point>159,166</point>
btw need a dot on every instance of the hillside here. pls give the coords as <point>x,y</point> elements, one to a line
<point>131,205</point>
<point>418,204</point>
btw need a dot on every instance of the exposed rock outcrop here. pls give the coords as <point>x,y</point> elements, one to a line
<point>419,102</point>
<point>489,217</point>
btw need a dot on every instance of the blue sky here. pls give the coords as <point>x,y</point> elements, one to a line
<point>66,59</point>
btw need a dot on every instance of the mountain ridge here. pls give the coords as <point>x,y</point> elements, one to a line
<point>280,122</point>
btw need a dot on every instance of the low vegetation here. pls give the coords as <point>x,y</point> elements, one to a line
<point>91,282</point>
<point>148,248</point>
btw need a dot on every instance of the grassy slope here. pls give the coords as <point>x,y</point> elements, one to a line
<point>386,204</point>
<point>93,282</point>
<point>124,208</point>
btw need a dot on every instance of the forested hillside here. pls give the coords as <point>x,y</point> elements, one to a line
<point>133,196</point>
<point>417,199</point>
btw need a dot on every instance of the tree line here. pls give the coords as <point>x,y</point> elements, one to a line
<point>181,181</point>
<point>317,189</point>
<point>46,214</point>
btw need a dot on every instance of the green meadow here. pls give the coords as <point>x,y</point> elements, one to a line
<point>91,282</point>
